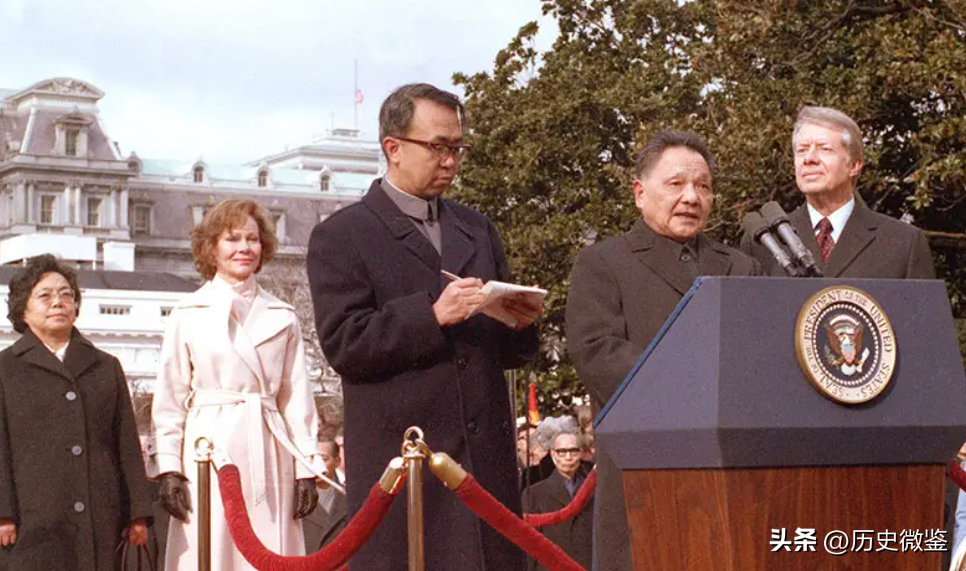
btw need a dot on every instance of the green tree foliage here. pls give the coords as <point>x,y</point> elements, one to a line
<point>554,133</point>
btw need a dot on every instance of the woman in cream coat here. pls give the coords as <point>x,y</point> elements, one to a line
<point>233,370</point>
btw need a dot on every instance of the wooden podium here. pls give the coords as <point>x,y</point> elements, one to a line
<point>724,445</point>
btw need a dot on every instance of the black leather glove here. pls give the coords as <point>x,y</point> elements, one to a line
<point>306,497</point>
<point>175,498</point>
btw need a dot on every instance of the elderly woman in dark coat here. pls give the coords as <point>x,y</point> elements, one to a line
<point>72,480</point>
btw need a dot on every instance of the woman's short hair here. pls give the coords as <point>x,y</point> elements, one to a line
<point>229,215</point>
<point>23,283</point>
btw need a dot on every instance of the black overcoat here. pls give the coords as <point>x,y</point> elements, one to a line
<point>71,470</point>
<point>871,245</point>
<point>622,291</point>
<point>374,278</point>
<point>574,536</point>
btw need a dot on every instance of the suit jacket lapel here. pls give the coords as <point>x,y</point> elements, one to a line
<point>36,353</point>
<point>713,258</point>
<point>558,492</point>
<point>858,233</point>
<point>803,226</point>
<point>80,356</point>
<point>457,240</point>
<point>401,226</point>
<point>658,255</point>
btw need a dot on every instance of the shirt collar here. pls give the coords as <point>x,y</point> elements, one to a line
<point>59,353</point>
<point>411,206</point>
<point>837,218</point>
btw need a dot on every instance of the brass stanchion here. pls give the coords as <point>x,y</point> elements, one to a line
<point>414,450</point>
<point>203,451</point>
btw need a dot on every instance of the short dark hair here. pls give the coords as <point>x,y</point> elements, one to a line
<point>229,215</point>
<point>23,283</point>
<point>651,153</point>
<point>337,451</point>
<point>396,113</point>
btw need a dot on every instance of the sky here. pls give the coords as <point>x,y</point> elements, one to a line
<point>233,80</point>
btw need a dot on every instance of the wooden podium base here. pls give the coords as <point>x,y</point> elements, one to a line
<point>722,520</point>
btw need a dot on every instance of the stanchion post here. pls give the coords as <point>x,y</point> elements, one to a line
<point>414,450</point>
<point>203,450</point>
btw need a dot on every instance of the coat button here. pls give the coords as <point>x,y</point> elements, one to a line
<point>461,363</point>
<point>79,507</point>
<point>77,450</point>
<point>71,396</point>
<point>473,427</point>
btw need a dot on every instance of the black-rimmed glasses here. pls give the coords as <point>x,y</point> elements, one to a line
<point>441,150</point>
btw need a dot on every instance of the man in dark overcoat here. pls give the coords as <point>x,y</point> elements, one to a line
<point>72,477</point>
<point>846,238</point>
<point>554,493</point>
<point>624,288</point>
<point>403,337</point>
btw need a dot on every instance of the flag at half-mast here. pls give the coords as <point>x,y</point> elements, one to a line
<point>359,97</point>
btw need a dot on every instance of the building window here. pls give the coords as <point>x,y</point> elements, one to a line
<point>262,179</point>
<point>199,174</point>
<point>48,206</point>
<point>325,183</point>
<point>94,212</point>
<point>115,310</point>
<point>141,219</point>
<point>72,134</point>
<point>166,311</point>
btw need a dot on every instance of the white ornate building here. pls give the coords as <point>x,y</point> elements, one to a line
<point>65,188</point>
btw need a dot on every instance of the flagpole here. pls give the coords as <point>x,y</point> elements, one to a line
<point>355,95</point>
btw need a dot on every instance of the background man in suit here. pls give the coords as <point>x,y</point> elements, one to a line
<point>328,519</point>
<point>403,338</point>
<point>623,289</point>
<point>555,492</point>
<point>845,237</point>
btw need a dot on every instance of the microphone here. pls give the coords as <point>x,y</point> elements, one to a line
<point>776,218</point>
<point>755,225</point>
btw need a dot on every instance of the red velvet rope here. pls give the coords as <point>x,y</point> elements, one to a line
<point>330,558</point>
<point>957,474</point>
<point>569,511</point>
<point>513,528</point>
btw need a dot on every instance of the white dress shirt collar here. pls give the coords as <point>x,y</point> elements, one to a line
<point>838,218</point>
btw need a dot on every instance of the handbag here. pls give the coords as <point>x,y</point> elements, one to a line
<point>145,561</point>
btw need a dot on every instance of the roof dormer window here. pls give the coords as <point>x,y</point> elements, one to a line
<point>325,183</point>
<point>71,138</point>
<point>262,179</point>
<point>199,174</point>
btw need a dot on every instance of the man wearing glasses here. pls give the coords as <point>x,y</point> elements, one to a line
<point>575,536</point>
<point>625,287</point>
<point>402,336</point>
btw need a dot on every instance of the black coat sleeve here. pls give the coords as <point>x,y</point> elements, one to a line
<point>129,457</point>
<point>8,491</point>
<point>597,337</point>
<point>921,265</point>
<point>361,340</point>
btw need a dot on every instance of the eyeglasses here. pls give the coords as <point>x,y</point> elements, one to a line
<point>441,150</point>
<point>47,297</point>
<point>567,451</point>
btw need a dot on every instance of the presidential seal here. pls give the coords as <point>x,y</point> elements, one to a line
<point>845,345</point>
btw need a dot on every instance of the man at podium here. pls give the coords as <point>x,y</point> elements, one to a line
<point>625,287</point>
<point>846,238</point>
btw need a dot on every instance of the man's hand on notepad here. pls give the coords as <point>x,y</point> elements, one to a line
<point>524,309</point>
<point>459,300</point>
<point>515,305</point>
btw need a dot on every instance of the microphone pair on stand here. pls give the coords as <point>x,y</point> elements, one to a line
<point>787,248</point>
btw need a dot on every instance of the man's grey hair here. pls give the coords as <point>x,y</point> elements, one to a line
<point>396,113</point>
<point>548,429</point>
<point>833,119</point>
<point>574,433</point>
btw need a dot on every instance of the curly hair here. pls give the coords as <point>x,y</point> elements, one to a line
<point>228,215</point>
<point>24,282</point>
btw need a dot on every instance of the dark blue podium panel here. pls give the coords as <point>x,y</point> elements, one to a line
<point>721,385</point>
